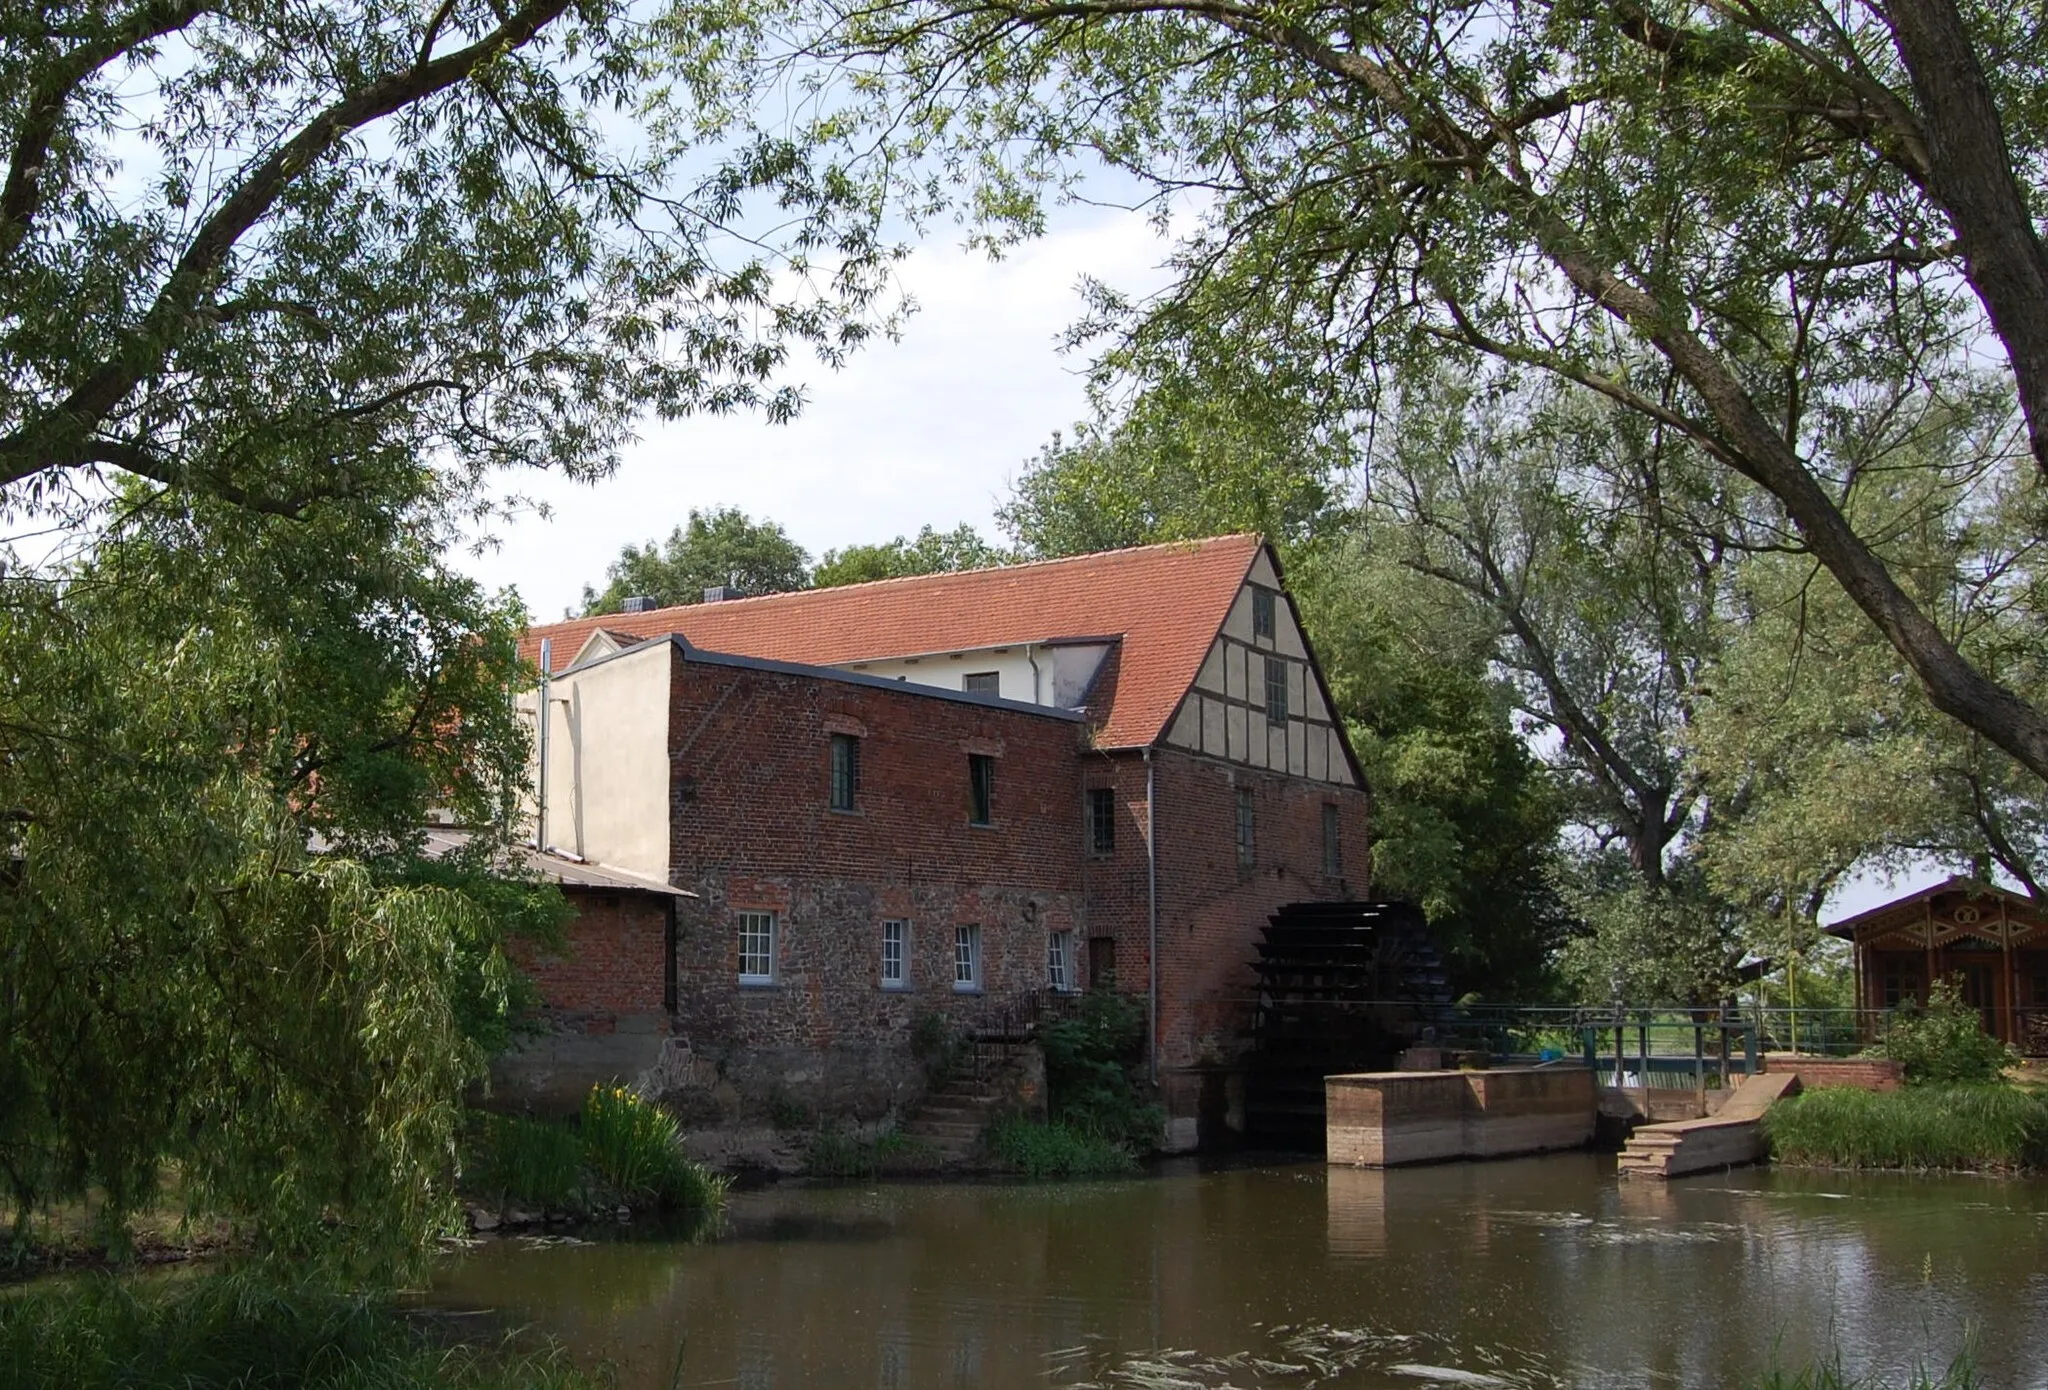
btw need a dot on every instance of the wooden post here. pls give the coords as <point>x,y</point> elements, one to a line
<point>1643,1051</point>
<point>1620,1055</point>
<point>1699,1063</point>
<point>1927,985</point>
<point>2009,992</point>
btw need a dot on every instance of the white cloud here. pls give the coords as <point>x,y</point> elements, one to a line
<point>929,429</point>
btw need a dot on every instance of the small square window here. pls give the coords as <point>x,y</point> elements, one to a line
<point>1101,820</point>
<point>1262,612</point>
<point>1059,961</point>
<point>895,954</point>
<point>757,948</point>
<point>845,771</point>
<point>981,789</point>
<point>967,959</point>
<point>1333,848</point>
<point>1247,853</point>
<point>1276,690</point>
<point>982,682</point>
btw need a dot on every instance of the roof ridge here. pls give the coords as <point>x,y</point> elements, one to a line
<point>1191,545</point>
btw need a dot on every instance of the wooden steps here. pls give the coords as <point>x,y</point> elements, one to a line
<point>1729,1139</point>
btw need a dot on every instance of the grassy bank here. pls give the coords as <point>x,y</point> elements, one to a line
<point>1055,1150</point>
<point>237,1331</point>
<point>1984,1128</point>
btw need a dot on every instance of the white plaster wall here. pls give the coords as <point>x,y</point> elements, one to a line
<point>608,761</point>
<point>946,671</point>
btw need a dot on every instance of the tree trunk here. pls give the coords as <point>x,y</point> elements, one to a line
<point>1971,176</point>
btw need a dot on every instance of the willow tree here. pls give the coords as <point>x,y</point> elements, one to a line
<point>283,289</point>
<point>1727,218</point>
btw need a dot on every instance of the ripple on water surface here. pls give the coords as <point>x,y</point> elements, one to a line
<point>1532,1273</point>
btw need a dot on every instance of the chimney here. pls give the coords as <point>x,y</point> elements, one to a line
<point>639,603</point>
<point>719,593</point>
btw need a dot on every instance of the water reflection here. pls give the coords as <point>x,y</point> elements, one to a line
<point>1542,1272</point>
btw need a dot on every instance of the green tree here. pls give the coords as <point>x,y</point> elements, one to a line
<point>183,980</point>
<point>1841,760</point>
<point>723,547</point>
<point>361,235</point>
<point>1726,219</point>
<point>1465,821</point>
<point>931,552</point>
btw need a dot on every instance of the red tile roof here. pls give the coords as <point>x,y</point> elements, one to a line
<point>1166,602</point>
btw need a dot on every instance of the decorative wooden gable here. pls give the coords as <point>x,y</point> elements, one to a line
<point>1259,698</point>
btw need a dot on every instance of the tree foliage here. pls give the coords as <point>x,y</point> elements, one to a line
<point>720,548</point>
<point>184,980</point>
<point>1730,220</point>
<point>930,552</point>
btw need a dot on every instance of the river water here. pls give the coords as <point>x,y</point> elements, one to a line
<point>1536,1272</point>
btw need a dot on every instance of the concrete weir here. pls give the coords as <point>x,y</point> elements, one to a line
<point>1385,1119</point>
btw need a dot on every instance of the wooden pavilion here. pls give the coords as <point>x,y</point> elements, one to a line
<point>1992,942</point>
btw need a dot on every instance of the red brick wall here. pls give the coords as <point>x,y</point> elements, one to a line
<point>614,961</point>
<point>752,830</point>
<point>1863,1073</point>
<point>1211,910</point>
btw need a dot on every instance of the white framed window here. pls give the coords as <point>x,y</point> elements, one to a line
<point>757,948</point>
<point>895,954</point>
<point>1276,690</point>
<point>967,958</point>
<point>1059,961</point>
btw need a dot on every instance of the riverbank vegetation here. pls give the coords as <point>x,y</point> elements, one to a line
<point>238,1330</point>
<point>620,1151</point>
<point>1098,1122</point>
<point>1982,1127</point>
<point>1828,1374</point>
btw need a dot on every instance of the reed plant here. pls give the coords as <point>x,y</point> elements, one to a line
<point>1993,1127</point>
<point>1827,1374</point>
<point>513,1159</point>
<point>622,1149</point>
<point>237,1330</point>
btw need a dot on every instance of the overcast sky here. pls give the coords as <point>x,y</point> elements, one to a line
<point>926,430</point>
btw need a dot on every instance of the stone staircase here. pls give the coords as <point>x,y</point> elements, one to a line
<point>1731,1137</point>
<point>951,1117</point>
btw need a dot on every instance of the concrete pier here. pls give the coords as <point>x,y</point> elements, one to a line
<point>1384,1119</point>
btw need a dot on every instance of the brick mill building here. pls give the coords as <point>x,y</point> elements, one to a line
<point>940,796</point>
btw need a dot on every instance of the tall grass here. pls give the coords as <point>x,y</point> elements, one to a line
<point>1829,1375</point>
<point>622,1149</point>
<point>233,1330</point>
<point>1984,1127</point>
<point>1055,1150</point>
<point>835,1152</point>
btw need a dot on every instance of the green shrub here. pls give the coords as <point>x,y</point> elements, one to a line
<point>97,1333</point>
<point>1089,1061</point>
<point>1945,1041</point>
<point>1055,1150</point>
<point>526,1162</point>
<point>1922,1127</point>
